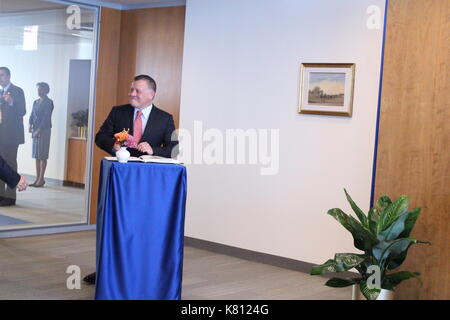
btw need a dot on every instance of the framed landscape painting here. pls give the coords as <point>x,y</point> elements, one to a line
<point>327,88</point>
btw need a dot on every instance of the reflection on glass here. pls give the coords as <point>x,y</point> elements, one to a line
<point>30,38</point>
<point>47,51</point>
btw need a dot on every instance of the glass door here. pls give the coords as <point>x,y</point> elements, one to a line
<point>47,72</point>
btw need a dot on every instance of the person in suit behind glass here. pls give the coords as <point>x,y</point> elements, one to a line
<point>11,177</point>
<point>12,110</point>
<point>151,128</point>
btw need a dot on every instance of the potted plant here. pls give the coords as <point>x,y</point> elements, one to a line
<point>384,237</point>
<point>80,120</point>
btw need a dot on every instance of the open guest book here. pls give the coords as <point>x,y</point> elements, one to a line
<point>154,159</point>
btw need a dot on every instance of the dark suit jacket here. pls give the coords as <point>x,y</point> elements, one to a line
<point>157,132</point>
<point>41,114</point>
<point>11,127</point>
<point>8,175</point>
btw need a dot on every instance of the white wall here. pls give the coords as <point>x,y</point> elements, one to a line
<point>241,69</point>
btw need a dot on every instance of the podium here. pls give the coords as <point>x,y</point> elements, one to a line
<point>140,231</point>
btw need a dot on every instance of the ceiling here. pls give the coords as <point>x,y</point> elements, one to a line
<point>137,1</point>
<point>26,5</point>
<point>30,5</point>
<point>136,4</point>
<point>52,26</point>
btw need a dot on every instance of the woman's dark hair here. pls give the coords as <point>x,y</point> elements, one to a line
<point>44,85</point>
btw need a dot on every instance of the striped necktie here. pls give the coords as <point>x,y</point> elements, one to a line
<point>137,129</point>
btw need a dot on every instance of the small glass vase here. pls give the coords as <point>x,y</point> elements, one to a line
<point>82,132</point>
<point>123,155</point>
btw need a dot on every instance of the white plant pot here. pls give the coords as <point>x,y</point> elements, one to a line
<point>123,155</point>
<point>384,294</point>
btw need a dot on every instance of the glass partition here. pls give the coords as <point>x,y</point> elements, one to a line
<point>47,68</point>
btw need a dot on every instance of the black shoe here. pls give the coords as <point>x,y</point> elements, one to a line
<point>7,202</point>
<point>39,185</point>
<point>90,278</point>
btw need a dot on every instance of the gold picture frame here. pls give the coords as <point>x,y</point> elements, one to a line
<point>327,88</point>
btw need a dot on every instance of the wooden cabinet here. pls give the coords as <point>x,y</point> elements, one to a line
<point>76,161</point>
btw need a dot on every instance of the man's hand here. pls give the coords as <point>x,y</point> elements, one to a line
<point>22,185</point>
<point>116,146</point>
<point>131,142</point>
<point>36,134</point>
<point>8,98</point>
<point>144,147</point>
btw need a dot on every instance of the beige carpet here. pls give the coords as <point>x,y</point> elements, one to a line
<point>35,268</point>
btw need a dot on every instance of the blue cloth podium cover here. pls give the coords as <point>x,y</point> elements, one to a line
<point>140,231</point>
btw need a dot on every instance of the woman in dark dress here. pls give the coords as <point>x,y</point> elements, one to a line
<point>40,128</point>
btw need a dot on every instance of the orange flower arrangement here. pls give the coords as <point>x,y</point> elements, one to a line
<point>121,137</point>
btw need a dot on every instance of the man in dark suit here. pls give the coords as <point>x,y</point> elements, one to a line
<point>151,128</point>
<point>11,177</point>
<point>12,110</point>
